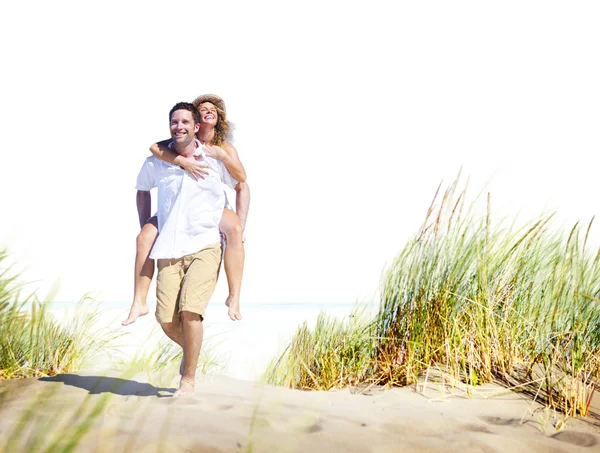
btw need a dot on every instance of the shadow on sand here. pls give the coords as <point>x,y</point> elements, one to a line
<point>105,384</point>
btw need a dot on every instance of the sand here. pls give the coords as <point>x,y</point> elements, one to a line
<point>138,414</point>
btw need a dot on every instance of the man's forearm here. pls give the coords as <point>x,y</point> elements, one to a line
<point>144,206</point>
<point>242,202</point>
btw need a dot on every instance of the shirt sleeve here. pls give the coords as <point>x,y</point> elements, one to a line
<point>146,180</point>
<point>226,177</point>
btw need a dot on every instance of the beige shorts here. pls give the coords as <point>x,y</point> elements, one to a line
<point>187,283</point>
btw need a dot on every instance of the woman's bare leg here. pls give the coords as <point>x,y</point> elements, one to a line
<point>144,271</point>
<point>231,227</point>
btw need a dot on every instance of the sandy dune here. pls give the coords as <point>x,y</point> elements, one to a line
<point>227,415</point>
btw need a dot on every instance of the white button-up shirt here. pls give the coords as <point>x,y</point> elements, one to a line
<point>189,211</point>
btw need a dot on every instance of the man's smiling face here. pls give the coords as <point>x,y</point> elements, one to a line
<point>183,128</point>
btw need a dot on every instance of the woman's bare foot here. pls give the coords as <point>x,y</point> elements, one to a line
<point>234,308</point>
<point>137,309</point>
<point>186,387</point>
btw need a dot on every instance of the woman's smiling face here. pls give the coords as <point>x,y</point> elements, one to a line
<point>208,113</point>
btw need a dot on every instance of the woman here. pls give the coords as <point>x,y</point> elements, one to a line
<point>214,133</point>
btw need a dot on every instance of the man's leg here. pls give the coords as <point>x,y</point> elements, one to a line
<point>174,331</point>
<point>168,284</point>
<point>192,343</point>
<point>197,288</point>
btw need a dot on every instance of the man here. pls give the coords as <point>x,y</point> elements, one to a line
<point>188,248</point>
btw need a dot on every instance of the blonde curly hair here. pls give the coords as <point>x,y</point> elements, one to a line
<point>223,129</point>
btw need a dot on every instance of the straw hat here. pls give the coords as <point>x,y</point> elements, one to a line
<point>212,98</point>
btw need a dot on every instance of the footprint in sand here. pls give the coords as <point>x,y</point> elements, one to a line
<point>477,429</point>
<point>499,421</point>
<point>575,438</point>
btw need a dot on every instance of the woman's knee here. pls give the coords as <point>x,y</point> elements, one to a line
<point>147,236</point>
<point>232,228</point>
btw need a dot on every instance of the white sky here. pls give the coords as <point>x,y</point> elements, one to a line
<point>348,114</point>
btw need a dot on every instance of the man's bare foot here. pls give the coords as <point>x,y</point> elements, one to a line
<point>137,309</point>
<point>186,387</point>
<point>234,308</point>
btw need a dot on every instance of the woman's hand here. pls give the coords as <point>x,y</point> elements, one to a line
<point>215,152</point>
<point>193,167</point>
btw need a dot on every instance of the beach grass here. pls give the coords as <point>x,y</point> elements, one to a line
<point>336,354</point>
<point>481,299</point>
<point>33,343</point>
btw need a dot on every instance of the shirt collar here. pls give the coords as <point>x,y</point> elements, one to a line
<point>199,151</point>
